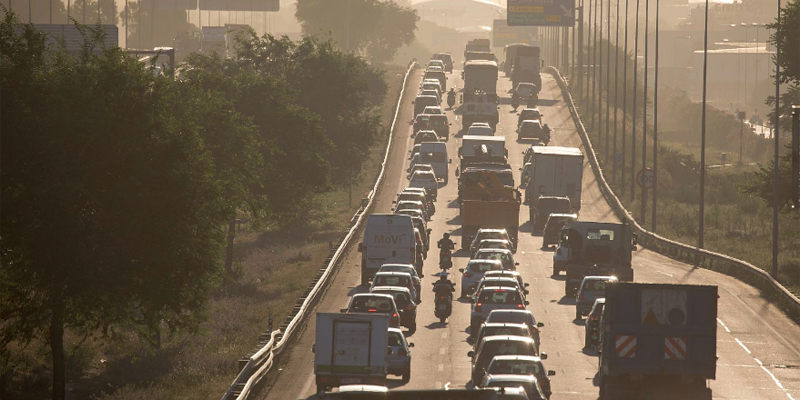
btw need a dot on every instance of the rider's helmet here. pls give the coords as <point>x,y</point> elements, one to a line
<point>446,235</point>
<point>443,276</point>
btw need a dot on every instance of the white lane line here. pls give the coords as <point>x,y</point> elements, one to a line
<point>664,273</point>
<point>723,325</point>
<point>443,351</point>
<point>447,386</point>
<point>743,346</point>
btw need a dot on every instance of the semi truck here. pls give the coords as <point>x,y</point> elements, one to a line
<point>554,171</point>
<point>526,67</point>
<point>486,202</point>
<point>594,248</point>
<point>658,338</point>
<point>512,51</point>
<point>351,349</point>
<point>479,99</point>
<point>214,39</point>
<point>477,45</point>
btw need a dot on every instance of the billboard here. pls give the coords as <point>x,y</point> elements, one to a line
<point>504,35</point>
<point>541,13</point>
<point>240,5</point>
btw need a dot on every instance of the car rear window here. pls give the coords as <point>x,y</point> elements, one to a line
<point>596,285</point>
<point>499,297</point>
<point>502,347</point>
<point>600,234</point>
<point>515,367</point>
<point>483,267</point>
<point>505,330</point>
<point>506,317</point>
<point>391,280</point>
<point>372,304</point>
<point>490,255</point>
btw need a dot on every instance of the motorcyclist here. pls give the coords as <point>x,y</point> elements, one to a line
<point>451,98</point>
<point>515,101</point>
<point>444,286</point>
<point>445,243</point>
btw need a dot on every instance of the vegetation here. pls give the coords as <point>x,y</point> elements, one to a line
<point>118,183</point>
<point>373,28</point>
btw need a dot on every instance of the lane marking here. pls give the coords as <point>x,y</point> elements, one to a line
<point>447,386</point>
<point>664,273</point>
<point>723,325</point>
<point>443,351</point>
<point>441,367</point>
<point>743,346</point>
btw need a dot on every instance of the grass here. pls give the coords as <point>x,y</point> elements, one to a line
<point>273,268</point>
<point>736,224</point>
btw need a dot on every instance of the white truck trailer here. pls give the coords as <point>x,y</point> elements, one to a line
<point>555,171</point>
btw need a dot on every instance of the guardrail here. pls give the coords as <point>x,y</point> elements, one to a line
<point>254,367</point>
<point>742,270</point>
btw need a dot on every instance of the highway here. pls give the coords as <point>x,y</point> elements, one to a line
<point>758,346</point>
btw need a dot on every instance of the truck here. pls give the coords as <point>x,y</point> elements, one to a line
<point>435,154</point>
<point>214,39</point>
<point>388,239</point>
<point>511,52</point>
<point>658,338</point>
<point>479,99</point>
<point>351,349</point>
<point>480,150</point>
<point>594,248</point>
<point>555,171</point>
<point>477,45</point>
<point>526,67</point>
<point>486,202</point>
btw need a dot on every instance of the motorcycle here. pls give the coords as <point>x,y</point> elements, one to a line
<point>451,99</point>
<point>443,305</point>
<point>445,260</point>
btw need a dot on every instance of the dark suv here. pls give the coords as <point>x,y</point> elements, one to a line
<point>447,59</point>
<point>546,205</point>
<point>435,122</point>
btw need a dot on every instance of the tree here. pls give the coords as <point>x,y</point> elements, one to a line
<point>112,205</point>
<point>341,88</point>
<point>761,183</point>
<point>373,28</point>
<point>789,41</point>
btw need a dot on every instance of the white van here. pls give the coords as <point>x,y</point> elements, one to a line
<point>435,154</point>
<point>388,239</point>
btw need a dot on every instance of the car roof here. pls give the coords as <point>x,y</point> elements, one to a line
<point>502,311</point>
<point>600,300</point>
<point>485,262</point>
<point>516,357</point>
<point>530,109</point>
<point>563,215</point>
<point>395,273</point>
<point>414,202</point>
<point>532,122</point>
<point>493,251</point>
<point>427,95</point>
<point>599,278</point>
<point>510,377</point>
<point>502,272</point>
<point>363,388</point>
<point>499,338</point>
<point>503,324</point>
<point>491,230</point>
<point>381,295</point>
<point>391,289</point>
<point>500,288</point>
<point>498,279</point>
<point>495,240</point>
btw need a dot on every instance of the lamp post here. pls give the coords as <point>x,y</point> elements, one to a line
<point>624,102</point>
<point>635,88</point>
<point>700,239</point>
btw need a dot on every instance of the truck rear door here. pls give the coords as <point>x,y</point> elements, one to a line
<point>351,348</point>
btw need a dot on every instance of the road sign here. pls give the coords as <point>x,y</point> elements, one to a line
<point>646,178</point>
<point>541,12</point>
<point>504,35</point>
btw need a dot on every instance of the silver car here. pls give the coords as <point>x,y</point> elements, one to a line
<point>473,273</point>
<point>399,354</point>
<point>592,288</point>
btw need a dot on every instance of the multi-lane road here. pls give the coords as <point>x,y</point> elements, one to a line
<point>758,347</point>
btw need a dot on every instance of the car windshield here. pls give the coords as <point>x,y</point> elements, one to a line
<point>422,176</point>
<point>493,255</point>
<point>483,267</point>
<point>400,298</point>
<point>491,235</point>
<point>499,297</point>
<point>600,234</point>
<point>515,367</point>
<point>513,317</point>
<point>371,304</point>
<point>395,339</point>
<point>596,285</point>
<point>397,268</point>
<point>391,280</point>
<point>557,221</point>
<point>502,347</point>
<point>493,245</point>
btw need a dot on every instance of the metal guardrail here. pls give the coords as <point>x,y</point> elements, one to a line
<point>256,366</point>
<point>742,270</point>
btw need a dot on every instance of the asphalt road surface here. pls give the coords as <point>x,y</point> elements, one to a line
<point>758,346</point>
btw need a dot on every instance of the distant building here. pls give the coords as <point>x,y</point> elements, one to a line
<point>733,76</point>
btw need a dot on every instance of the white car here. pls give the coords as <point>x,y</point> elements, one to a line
<point>473,273</point>
<point>494,298</point>
<point>525,90</point>
<point>511,274</point>
<point>435,63</point>
<point>402,279</point>
<point>480,129</point>
<point>431,81</point>
<point>427,180</point>
<point>499,281</point>
<point>435,110</point>
<point>505,256</point>
<point>399,354</point>
<point>487,234</point>
<point>431,92</point>
<point>431,85</point>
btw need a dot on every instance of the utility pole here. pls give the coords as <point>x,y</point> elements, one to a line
<point>700,242</point>
<point>594,62</point>
<point>776,136</point>
<point>741,115</point>
<point>655,131</point>
<point>635,89</point>
<point>600,81</point>
<point>796,158</point>
<point>624,103</point>
<point>580,48</point>
<point>616,94</point>
<point>608,77</point>
<point>644,105</point>
<point>588,51</point>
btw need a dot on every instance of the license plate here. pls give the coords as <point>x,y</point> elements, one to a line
<point>442,307</point>
<point>350,380</point>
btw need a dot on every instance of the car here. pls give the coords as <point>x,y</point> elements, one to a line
<point>527,155</point>
<point>425,136</point>
<point>527,382</point>
<point>534,129</point>
<point>402,279</point>
<point>446,59</point>
<point>404,268</point>
<point>430,80</point>
<point>474,271</point>
<point>433,110</point>
<point>500,281</point>
<point>525,175</point>
<point>525,90</point>
<point>413,205</point>
<point>438,123</point>
<point>419,167</point>
<point>488,234</point>
<point>531,113</point>
<point>493,329</point>
<point>437,73</point>
<point>374,303</point>
<point>491,298</point>
<point>432,84</point>
<point>414,150</point>
<point>507,273</point>
<point>546,205</point>
<point>495,244</point>
<point>405,305</point>
<point>592,288</point>
<point>423,192</point>
<point>422,101</point>
<point>399,356</point>
<point>499,345</point>
<point>591,336</point>
<point>431,92</point>
<point>480,129</point>
<point>552,228</point>
<point>517,317</point>
<point>435,68</point>
<point>523,365</point>
<point>412,213</point>
<point>505,256</point>
<point>426,180</point>
<point>417,196</point>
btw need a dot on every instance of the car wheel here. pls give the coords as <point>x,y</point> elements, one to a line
<point>412,328</point>
<point>407,375</point>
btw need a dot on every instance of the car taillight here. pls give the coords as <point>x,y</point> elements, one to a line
<point>478,307</point>
<point>534,331</point>
<point>402,352</point>
<point>520,306</point>
<point>467,274</point>
<point>394,315</point>
<point>372,310</point>
<point>441,297</point>
<point>591,317</point>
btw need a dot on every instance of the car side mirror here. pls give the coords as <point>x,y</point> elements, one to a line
<point>527,302</point>
<point>361,247</point>
<point>551,373</point>
<point>470,340</point>
<point>540,324</point>
<point>526,284</point>
<point>471,354</point>
<point>543,356</point>
<point>411,345</point>
<point>450,161</point>
<point>516,263</point>
<point>394,201</point>
<point>342,310</point>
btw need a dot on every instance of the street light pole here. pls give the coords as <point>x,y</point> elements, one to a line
<point>624,102</point>
<point>700,241</point>
<point>644,105</point>
<point>608,78</point>
<point>594,63</point>
<point>776,136</point>
<point>616,94</point>
<point>635,90</point>
<point>655,130</point>
<point>600,81</point>
<point>580,48</point>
